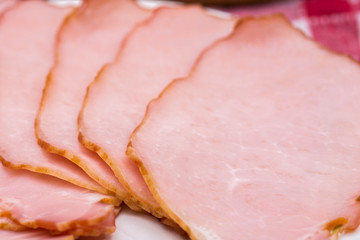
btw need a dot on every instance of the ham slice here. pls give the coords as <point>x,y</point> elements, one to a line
<point>90,38</point>
<point>32,235</point>
<point>8,224</point>
<point>13,231</point>
<point>27,35</point>
<point>104,226</point>
<point>261,141</point>
<point>159,50</point>
<point>4,5</point>
<point>30,199</point>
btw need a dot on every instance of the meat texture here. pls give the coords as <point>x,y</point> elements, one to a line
<point>32,235</point>
<point>90,38</point>
<point>161,49</point>
<point>103,227</point>
<point>30,199</point>
<point>27,35</point>
<point>14,231</point>
<point>6,4</point>
<point>261,141</point>
<point>8,224</point>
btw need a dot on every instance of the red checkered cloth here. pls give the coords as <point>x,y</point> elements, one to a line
<point>335,23</point>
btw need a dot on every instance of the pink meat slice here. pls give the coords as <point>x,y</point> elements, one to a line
<point>261,141</point>
<point>90,38</point>
<point>6,4</point>
<point>31,199</point>
<point>9,230</point>
<point>105,226</point>
<point>32,235</point>
<point>161,49</point>
<point>27,35</point>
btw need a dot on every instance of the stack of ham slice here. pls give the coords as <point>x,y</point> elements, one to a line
<point>117,99</point>
<point>257,138</point>
<point>88,39</point>
<point>261,140</point>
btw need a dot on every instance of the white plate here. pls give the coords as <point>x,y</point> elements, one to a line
<point>131,225</point>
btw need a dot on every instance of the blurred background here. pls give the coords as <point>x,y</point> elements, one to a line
<point>334,23</point>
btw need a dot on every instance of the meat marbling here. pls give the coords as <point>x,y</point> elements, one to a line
<point>261,141</point>
<point>163,48</point>
<point>27,35</point>
<point>90,38</point>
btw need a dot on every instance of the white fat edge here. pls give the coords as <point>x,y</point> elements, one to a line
<point>202,233</point>
<point>65,3</point>
<point>219,13</point>
<point>151,4</point>
<point>303,25</point>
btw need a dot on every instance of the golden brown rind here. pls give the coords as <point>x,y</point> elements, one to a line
<point>48,171</point>
<point>76,226</point>
<point>335,227</point>
<point>7,224</point>
<point>56,174</point>
<point>133,200</point>
<point>134,197</point>
<point>111,190</point>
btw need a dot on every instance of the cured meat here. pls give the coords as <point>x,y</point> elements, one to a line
<point>159,50</point>
<point>13,231</point>
<point>89,39</point>
<point>30,199</point>
<point>4,5</point>
<point>105,226</point>
<point>32,235</point>
<point>8,224</point>
<point>261,141</point>
<point>26,55</point>
<point>129,223</point>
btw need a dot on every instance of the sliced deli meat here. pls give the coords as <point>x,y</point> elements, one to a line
<point>261,141</point>
<point>38,201</point>
<point>9,230</point>
<point>8,224</point>
<point>6,4</point>
<point>157,51</point>
<point>90,38</point>
<point>27,36</point>
<point>32,235</point>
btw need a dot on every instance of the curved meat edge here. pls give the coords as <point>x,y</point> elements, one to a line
<point>335,228</point>
<point>32,235</point>
<point>82,179</point>
<point>58,174</point>
<point>155,210</point>
<point>68,154</point>
<point>105,226</point>
<point>8,224</point>
<point>133,198</point>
